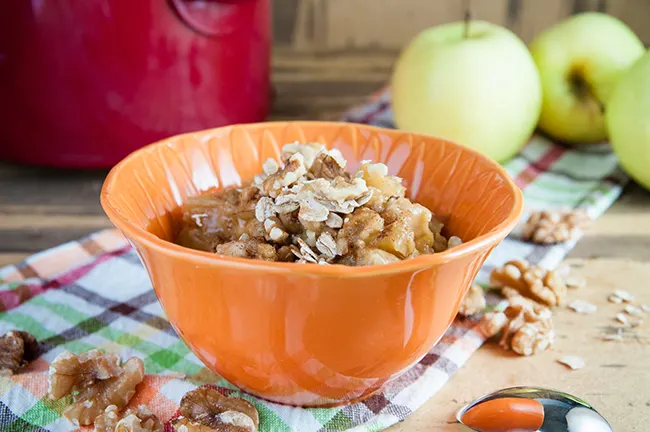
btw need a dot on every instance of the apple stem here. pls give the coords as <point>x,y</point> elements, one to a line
<point>467,19</point>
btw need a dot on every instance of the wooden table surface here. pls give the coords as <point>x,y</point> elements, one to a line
<point>40,208</point>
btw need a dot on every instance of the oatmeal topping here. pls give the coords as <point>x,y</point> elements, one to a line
<point>310,210</point>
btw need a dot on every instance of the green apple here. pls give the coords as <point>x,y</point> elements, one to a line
<point>475,85</point>
<point>628,121</point>
<point>580,61</point>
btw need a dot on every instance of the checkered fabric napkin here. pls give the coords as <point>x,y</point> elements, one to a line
<point>94,293</point>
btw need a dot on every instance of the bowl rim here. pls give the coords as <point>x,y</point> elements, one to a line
<point>150,240</point>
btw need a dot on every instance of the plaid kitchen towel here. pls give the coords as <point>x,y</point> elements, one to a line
<point>94,293</point>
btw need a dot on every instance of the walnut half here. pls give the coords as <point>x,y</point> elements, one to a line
<point>95,381</point>
<point>533,282</point>
<point>206,410</point>
<point>17,348</point>
<point>527,328</point>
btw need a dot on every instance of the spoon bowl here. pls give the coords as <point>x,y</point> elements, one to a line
<point>531,409</point>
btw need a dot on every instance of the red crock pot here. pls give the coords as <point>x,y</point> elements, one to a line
<point>85,82</point>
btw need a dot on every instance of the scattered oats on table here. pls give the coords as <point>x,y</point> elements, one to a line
<point>636,322</point>
<point>553,226</point>
<point>572,362</point>
<point>622,318</point>
<point>624,296</point>
<point>617,337</point>
<point>614,299</point>
<point>633,310</point>
<point>582,306</point>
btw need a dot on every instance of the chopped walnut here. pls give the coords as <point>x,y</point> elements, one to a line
<point>249,248</point>
<point>550,227</point>
<point>17,348</point>
<point>270,167</point>
<point>206,410</point>
<point>293,171</point>
<point>526,327</point>
<point>329,164</point>
<point>308,151</point>
<point>532,282</point>
<point>474,301</point>
<point>140,419</point>
<point>95,381</point>
<point>376,176</point>
<point>440,242</point>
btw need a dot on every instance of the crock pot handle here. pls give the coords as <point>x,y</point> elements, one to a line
<point>180,9</point>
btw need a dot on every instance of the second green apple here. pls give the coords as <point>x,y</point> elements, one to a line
<point>580,61</point>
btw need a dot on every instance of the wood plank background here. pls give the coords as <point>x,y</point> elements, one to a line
<point>344,25</point>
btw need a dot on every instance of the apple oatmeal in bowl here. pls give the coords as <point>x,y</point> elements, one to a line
<point>268,277</point>
<point>309,209</point>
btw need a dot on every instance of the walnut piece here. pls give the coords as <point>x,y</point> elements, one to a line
<point>474,301</point>
<point>526,327</point>
<point>95,381</point>
<point>140,419</point>
<point>533,282</point>
<point>71,373</point>
<point>550,227</point>
<point>248,248</point>
<point>17,348</point>
<point>206,410</point>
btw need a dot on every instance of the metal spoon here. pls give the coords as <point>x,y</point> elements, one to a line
<point>531,409</point>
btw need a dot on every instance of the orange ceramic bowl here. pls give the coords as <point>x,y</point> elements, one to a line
<point>307,334</point>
